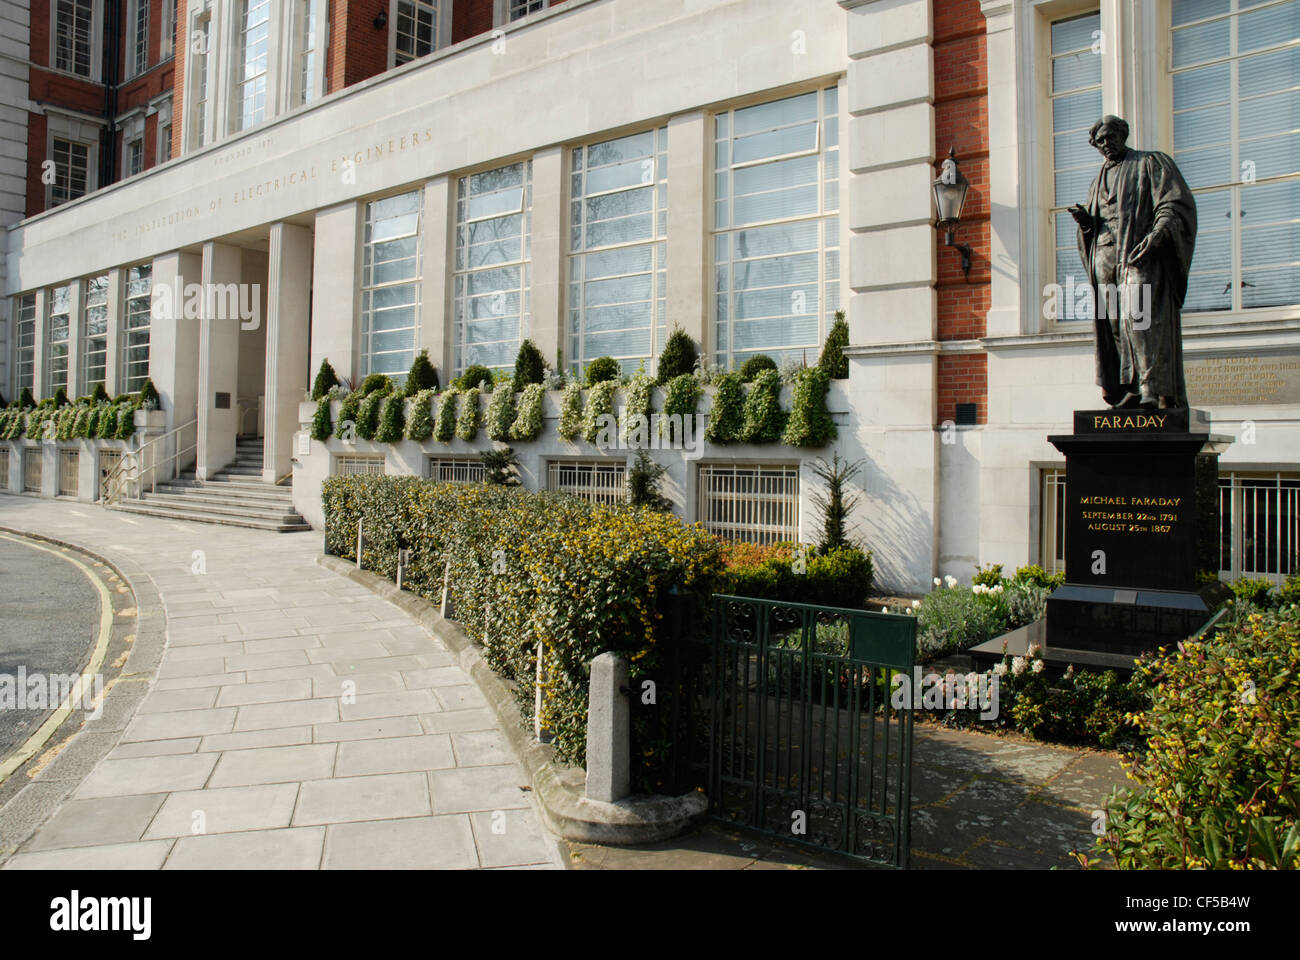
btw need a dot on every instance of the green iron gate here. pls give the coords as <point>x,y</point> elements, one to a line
<point>803,739</point>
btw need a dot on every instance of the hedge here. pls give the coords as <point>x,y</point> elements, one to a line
<point>530,568</point>
<point>794,574</point>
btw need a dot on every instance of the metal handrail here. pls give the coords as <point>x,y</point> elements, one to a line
<point>127,470</point>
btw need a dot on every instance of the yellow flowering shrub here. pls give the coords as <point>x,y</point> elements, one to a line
<point>1220,775</point>
<point>531,569</point>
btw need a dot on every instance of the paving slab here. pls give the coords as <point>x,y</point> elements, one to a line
<point>297,848</point>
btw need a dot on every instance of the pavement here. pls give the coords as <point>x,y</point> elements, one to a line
<point>295,721</point>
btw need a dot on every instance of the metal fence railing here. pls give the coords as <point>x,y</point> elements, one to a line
<point>758,504</point>
<point>595,481</point>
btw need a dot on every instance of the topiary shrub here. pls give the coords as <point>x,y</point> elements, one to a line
<point>422,375</point>
<point>98,395</point>
<point>25,399</point>
<point>603,369</point>
<point>678,357</point>
<point>764,418</point>
<point>419,426</point>
<point>326,380</point>
<point>501,411</point>
<point>148,398</point>
<point>368,414</point>
<point>727,421</point>
<point>810,423</point>
<point>751,368</point>
<point>571,412</point>
<point>60,398</point>
<point>1217,780</point>
<point>444,428</point>
<point>832,361</point>
<point>322,427</point>
<point>528,421</point>
<point>376,383</point>
<point>680,400</point>
<point>468,419</point>
<point>530,368</point>
<point>476,376</point>
<point>392,419</point>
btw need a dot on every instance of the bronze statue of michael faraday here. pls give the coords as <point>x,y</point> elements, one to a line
<point>1136,237</point>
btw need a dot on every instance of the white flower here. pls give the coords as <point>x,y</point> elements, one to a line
<point>951,581</point>
<point>1033,650</point>
<point>916,604</point>
<point>972,679</point>
<point>996,590</point>
<point>1000,669</point>
<point>977,588</point>
<point>884,610</point>
<point>1038,666</point>
<point>938,582</point>
<point>1018,666</point>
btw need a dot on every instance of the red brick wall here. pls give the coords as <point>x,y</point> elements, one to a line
<point>961,122</point>
<point>470,18</point>
<point>363,52</point>
<point>178,77</point>
<point>37,128</point>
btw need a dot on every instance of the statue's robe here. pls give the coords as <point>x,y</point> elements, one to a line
<point>1147,195</point>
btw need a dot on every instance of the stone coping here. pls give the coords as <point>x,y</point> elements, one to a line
<point>559,788</point>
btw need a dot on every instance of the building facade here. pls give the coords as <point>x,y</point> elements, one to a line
<point>372,179</point>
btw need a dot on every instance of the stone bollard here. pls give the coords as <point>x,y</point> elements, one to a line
<point>608,727</point>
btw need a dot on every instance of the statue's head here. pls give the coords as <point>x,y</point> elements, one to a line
<point>1110,136</point>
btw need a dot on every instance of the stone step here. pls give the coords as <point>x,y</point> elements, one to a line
<point>224,496</point>
<point>144,508</point>
<point>280,513</point>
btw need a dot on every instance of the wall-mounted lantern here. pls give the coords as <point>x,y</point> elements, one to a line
<point>950,191</point>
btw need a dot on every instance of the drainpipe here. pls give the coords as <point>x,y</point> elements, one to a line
<point>112,74</point>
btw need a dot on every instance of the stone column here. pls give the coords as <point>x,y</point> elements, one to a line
<point>113,381</point>
<point>39,334</point>
<point>690,193</point>
<point>608,726</point>
<point>892,273</point>
<point>550,249</point>
<point>435,309</point>
<point>174,339</point>
<point>335,305</point>
<point>288,328</point>
<point>76,314</point>
<point>218,362</point>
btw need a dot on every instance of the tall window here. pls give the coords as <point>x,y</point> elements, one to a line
<point>140,38</point>
<point>139,302</point>
<point>1236,101</point>
<point>491,284</point>
<point>776,240</point>
<point>164,142</point>
<point>135,157</point>
<point>74,36</point>
<point>24,344</point>
<point>167,45</point>
<point>94,332</point>
<point>305,37</point>
<point>56,340</point>
<point>71,171</point>
<point>416,29</point>
<point>250,82</point>
<point>618,261</point>
<point>1051,520</point>
<point>390,284</point>
<point>1076,106</point>
<point>199,65</point>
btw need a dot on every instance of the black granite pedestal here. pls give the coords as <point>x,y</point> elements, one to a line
<point>1141,518</point>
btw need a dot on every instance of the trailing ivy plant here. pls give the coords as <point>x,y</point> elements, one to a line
<point>444,428</point>
<point>349,413</point>
<point>600,404</point>
<point>501,411</point>
<point>680,401</point>
<point>468,419</point>
<point>528,421</point>
<point>322,427</point>
<point>636,401</point>
<point>392,421</point>
<point>764,419</point>
<point>67,418</point>
<point>419,426</point>
<point>571,412</point>
<point>126,422</point>
<point>727,421</point>
<point>810,423</point>
<point>368,415</point>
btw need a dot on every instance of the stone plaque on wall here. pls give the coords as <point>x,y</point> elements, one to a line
<point>1229,381</point>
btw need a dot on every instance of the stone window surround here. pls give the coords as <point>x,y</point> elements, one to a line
<point>443,31</point>
<point>1135,85</point>
<point>76,128</point>
<point>501,12</point>
<point>132,124</point>
<point>133,7</point>
<point>161,109</point>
